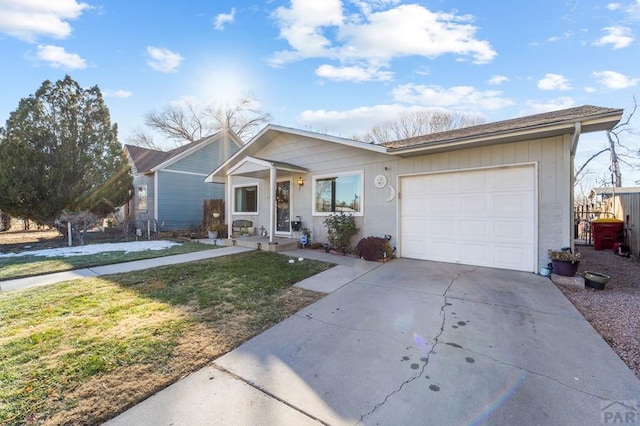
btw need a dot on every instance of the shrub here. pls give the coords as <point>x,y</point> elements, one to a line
<point>340,229</point>
<point>374,248</point>
<point>81,222</point>
<point>564,254</point>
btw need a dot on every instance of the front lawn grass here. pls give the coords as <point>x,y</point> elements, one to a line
<point>29,265</point>
<point>82,351</point>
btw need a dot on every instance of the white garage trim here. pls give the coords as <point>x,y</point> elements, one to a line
<point>484,216</point>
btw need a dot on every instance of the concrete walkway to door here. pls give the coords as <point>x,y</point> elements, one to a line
<point>412,343</point>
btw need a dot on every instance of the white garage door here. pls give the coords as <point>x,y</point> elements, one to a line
<point>482,217</point>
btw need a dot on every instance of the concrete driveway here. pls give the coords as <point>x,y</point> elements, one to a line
<point>413,342</point>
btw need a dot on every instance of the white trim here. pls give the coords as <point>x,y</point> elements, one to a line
<point>290,180</point>
<point>233,197</point>
<point>155,196</point>
<point>330,175</point>
<point>184,173</point>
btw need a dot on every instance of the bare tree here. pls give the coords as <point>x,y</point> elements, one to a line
<point>188,122</point>
<point>420,123</point>
<point>141,138</point>
<point>619,152</point>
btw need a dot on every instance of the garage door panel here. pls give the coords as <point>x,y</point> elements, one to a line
<point>510,257</point>
<point>474,229</point>
<point>473,181</point>
<point>474,205</point>
<point>520,204</point>
<point>511,231</point>
<point>482,217</point>
<point>512,178</point>
<point>417,224</point>
<point>413,186</point>
<point>415,205</point>
<point>441,184</point>
<point>475,254</point>
<point>442,227</point>
<point>442,205</point>
<point>441,250</point>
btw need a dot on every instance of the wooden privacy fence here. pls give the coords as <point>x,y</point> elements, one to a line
<point>208,209</point>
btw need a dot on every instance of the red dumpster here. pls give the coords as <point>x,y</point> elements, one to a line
<point>606,232</point>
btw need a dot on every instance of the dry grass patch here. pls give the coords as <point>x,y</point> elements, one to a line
<point>83,351</point>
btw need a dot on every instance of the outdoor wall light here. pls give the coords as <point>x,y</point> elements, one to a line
<point>300,182</point>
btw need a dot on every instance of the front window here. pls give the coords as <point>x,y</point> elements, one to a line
<point>142,199</point>
<point>245,199</point>
<point>338,193</point>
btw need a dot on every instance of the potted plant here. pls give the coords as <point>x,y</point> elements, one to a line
<point>596,280</point>
<point>564,262</point>
<point>213,232</point>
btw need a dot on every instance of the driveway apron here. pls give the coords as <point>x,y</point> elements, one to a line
<point>416,342</point>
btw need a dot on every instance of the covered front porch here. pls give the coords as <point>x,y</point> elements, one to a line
<point>260,193</point>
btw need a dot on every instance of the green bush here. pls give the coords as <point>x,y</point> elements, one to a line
<point>374,248</point>
<point>340,229</point>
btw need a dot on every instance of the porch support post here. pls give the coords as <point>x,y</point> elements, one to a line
<point>228,208</point>
<point>272,201</point>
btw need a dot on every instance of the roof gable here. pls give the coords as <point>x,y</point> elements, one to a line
<point>148,160</point>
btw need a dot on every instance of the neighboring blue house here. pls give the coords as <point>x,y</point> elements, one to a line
<point>169,185</point>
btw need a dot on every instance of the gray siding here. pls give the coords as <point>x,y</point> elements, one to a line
<point>206,159</point>
<point>181,197</point>
<point>181,188</point>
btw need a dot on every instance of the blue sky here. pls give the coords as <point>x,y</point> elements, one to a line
<point>336,66</point>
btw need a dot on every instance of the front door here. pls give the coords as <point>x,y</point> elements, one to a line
<point>283,207</point>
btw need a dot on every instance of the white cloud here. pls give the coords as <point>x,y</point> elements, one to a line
<point>498,79</point>
<point>358,121</point>
<point>614,80</point>
<point>355,121</point>
<point>30,19</point>
<point>404,30</point>
<point>537,107</point>
<point>163,60</point>
<point>590,89</point>
<point>633,10</point>
<point>224,18</point>
<point>553,82</point>
<point>458,97</point>
<point>614,6</point>
<point>58,57</point>
<point>423,33</point>
<point>617,37</point>
<point>122,94</point>
<point>355,73</point>
<point>301,25</point>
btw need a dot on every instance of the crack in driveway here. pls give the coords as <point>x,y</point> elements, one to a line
<point>310,317</point>
<point>534,373</point>
<point>429,353</point>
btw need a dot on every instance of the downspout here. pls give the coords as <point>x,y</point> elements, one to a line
<point>228,207</point>
<point>272,201</point>
<point>574,147</point>
<point>156,195</point>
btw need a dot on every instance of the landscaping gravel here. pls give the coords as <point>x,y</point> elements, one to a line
<point>615,311</point>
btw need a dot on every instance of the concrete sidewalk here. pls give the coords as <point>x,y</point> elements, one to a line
<point>411,342</point>
<point>137,265</point>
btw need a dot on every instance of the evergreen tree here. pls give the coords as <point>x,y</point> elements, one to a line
<point>60,152</point>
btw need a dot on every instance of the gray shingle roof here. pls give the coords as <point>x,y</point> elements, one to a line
<point>562,116</point>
